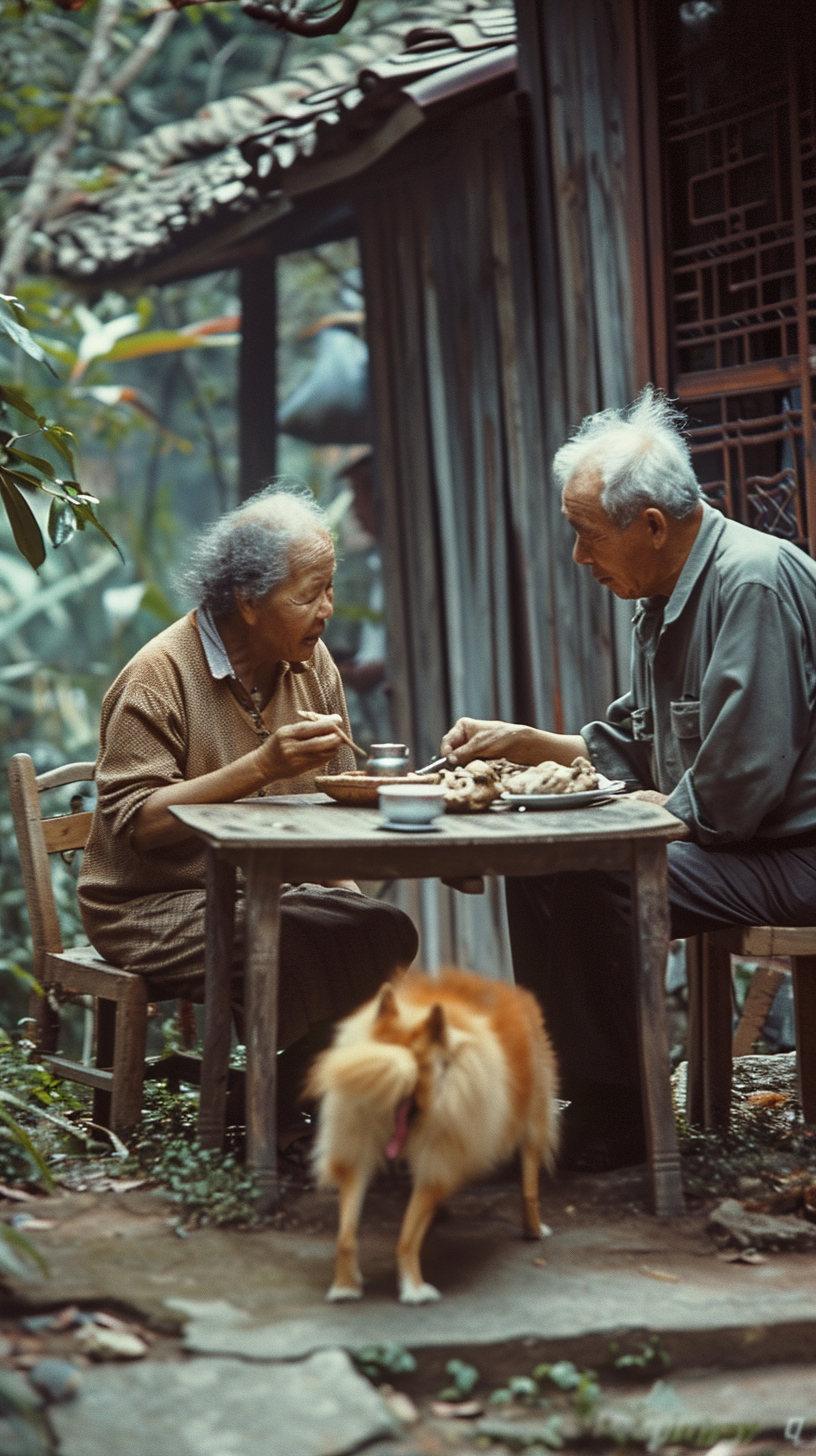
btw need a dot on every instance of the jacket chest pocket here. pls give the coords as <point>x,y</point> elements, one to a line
<point>685,726</point>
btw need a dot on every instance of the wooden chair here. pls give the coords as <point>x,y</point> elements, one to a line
<point>711,1041</point>
<point>120,997</point>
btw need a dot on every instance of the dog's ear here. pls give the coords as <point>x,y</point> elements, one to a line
<point>436,1026</point>
<point>387,1004</point>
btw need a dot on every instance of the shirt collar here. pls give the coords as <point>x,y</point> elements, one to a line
<point>216,653</point>
<point>712,527</point>
<point>214,650</point>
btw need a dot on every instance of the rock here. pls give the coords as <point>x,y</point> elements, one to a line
<point>401,1407</point>
<point>20,1436</point>
<point>55,1379</point>
<point>761,1230</point>
<point>314,1407</point>
<point>105,1344</point>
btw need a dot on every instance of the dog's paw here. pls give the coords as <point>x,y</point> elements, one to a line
<point>340,1292</point>
<point>544,1230</point>
<point>418,1294</point>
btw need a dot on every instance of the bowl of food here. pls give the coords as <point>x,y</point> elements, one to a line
<point>411,804</point>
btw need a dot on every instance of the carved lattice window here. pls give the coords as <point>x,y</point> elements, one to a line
<point>739,136</point>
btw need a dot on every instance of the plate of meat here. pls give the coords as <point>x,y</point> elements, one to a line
<point>558,786</point>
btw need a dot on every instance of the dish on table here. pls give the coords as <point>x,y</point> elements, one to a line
<point>362,789</point>
<point>607,789</point>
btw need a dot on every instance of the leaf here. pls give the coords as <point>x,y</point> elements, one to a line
<point>21,336</point>
<point>19,402</point>
<point>57,437</point>
<point>25,1246</point>
<point>22,477</point>
<point>61,522</point>
<point>44,466</point>
<point>84,513</point>
<point>22,1137</point>
<point>26,532</point>
<point>156,341</point>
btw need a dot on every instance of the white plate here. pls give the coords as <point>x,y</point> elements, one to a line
<point>432,828</point>
<point>608,789</point>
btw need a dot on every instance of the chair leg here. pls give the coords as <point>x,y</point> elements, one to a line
<point>695,1098</point>
<point>804,994</point>
<point>105,1042</point>
<point>708,1099</point>
<point>718,1019</point>
<point>128,1066</point>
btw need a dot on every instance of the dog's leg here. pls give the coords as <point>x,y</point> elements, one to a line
<point>530,1161</point>
<point>348,1283</point>
<point>421,1208</point>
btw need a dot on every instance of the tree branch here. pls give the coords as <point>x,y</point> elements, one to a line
<point>45,172</point>
<point>150,43</point>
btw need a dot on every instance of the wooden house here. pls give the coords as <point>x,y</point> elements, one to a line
<point>554,205</point>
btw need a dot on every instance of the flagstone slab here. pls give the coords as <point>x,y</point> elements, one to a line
<point>202,1407</point>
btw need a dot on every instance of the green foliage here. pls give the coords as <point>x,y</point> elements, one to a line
<point>465,1378</point>
<point>648,1359</point>
<point>389,1359</point>
<point>580,1386</point>
<point>209,1186</point>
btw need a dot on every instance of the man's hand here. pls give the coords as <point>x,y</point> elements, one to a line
<point>297,748</point>
<point>648,796</point>
<point>471,738</point>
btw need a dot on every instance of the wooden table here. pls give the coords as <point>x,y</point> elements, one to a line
<point>311,838</point>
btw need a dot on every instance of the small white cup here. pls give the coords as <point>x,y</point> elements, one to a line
<point>402,803</point>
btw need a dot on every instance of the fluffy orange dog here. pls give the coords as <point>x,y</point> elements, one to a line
<point>455,1073</point>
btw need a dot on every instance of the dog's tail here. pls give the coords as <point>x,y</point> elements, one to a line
<point>376,1072</point>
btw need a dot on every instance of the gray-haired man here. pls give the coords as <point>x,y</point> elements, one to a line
<point>719,725</point>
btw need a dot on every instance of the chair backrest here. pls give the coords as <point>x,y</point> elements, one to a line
<point>38,837</point>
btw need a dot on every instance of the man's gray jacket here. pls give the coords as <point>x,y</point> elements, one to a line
<point>720,715</point>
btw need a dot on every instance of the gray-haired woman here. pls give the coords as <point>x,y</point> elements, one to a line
<point>207,712</point>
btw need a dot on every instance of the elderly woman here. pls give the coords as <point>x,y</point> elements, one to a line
<point>207,712</point>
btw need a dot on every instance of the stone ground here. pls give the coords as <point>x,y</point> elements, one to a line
<point>244,1355</point>
<point>235,1350</point>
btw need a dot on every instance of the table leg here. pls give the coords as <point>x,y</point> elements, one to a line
<point>261,967</point>
<point>650,929</point>
<point>218,954</point>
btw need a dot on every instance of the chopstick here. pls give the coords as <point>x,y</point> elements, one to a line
<point>316,717</point>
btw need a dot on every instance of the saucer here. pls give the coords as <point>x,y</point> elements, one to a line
<point>410,828</point>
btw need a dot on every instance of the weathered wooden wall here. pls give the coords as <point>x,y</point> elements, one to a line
<point>499,306</point>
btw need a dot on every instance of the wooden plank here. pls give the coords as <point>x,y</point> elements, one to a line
<point>650,932</point>
<point>219,934</point>
<point>261,973</point>
<point>70,773</point>
<point>75,1072</point>
<point>67,831</point>
<point>93,977</point>
<point>765,983</point>
<point>777,940</point>
<point>741,379</point>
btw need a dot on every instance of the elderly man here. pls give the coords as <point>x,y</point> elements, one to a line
<point>210,712</point>
<point>718,725</point>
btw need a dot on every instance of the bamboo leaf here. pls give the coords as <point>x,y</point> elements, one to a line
<point>37,461</point>
<point>58,437</point>
<point>26,532</point>
<point>22,1137</point>
<point>21,336</point>
<point>84,513</point>
<point>17,1240</point>
<point>19,402</point>
<point>61,521</point>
